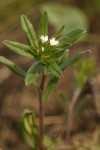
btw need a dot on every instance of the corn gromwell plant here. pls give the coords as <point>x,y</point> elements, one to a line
<point>50,58</point>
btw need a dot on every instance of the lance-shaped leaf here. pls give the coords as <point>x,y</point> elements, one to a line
<point>29,31</point>
<point>43,27</point>
<point>73,36</point>
<point>50,87</point>
<point>30,129</point>
<point>57,34</point>
<point>64,57</point>
<point>19,48</point>
<point>55,70</point>
<point>14,68</point>
<point>33,73</point>
<point>58,52</point>
<point>65,46</point>
<point>73,60</point>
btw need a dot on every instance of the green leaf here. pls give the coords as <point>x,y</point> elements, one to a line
<point>29,31</point>
<point>43,27</point>
<point>55,70</point>
<point>83,71</point>
<point>57,34</point>
<point>12,66</point>
<point>73,60</point>
<point>57,53</point>
<point>49,143</point>
<point>29,129</point>
<point>19,48</point>
<point>50,87</point>
<point>65,46</point>
<point>73,36</point>
<point>33,73</point>
<point>64,57</point>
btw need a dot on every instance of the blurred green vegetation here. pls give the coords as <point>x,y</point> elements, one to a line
<point>11,10</point>
<point>71,16</point>
<point>73,13</point>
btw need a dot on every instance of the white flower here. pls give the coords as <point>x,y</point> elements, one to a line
<point>44,38</point>
<point>42,49</point>
<point>53,42</point>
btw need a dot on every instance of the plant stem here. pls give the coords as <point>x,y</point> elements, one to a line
<point>41,111</point>
<point>71,114</point>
